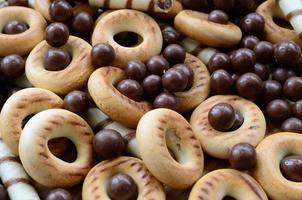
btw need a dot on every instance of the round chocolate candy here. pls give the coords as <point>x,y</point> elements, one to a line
<point>249,85</point>
<point>242,7</point>
<point>292,88</point>
<point>170,37</point>
<point>291,168</point>
<point>131,88</point>
<point>271,90</point>
<point>238,122</point>
<point>297,109</point>
<point>56,59</point>
<point>152,85</point>
<point>262,71</point>
<point>219,61</point>
<point>222,117</point>
<point>224,5</point>
<point>281,75</point>
<point>76,101</point>
<point>218,16</point>
<point>82,23</point>
<point>165,100</point>
<point>59,194</point>
<point>249,42</point>
<point>136,70</point>
<point>102,54</point>
<point>121,187</point>
<point>264,52</point>
<point>3,193</point>
<point>60,11</point>
<point>108,143</point>
<point>278,111</point>
<point>157,65</point>
<point>253,24</point>
<point>174,80</point>
<point>184,69</point>
<point>243,156</point>
<point>292,125</point>
<point>14,27</point>
<point>287,53</point>
<point>17,2</point>
<point>12,66</point>
<point>194,4</point>
<point>221,82</point>
<point>57,34</point>
<point>174,54</point>
<point>243,60</point>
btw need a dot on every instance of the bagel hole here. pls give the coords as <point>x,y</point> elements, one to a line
<point>282,23</point>
<point>228,198</point>
<point>63,148</point>
<point>14,27</point>
<point>173,142</point>
<point>128,39</point>
<point>26,119</point>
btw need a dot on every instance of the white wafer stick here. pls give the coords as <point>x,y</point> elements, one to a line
<point>144,5</point>
<point>14,177</point>
<point>292,10</point>
<point>99,120</point>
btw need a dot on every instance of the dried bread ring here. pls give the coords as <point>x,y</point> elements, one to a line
<point>218,144</point>
<point>227,182</point>
<point>195,25</point>
<point>96,181</point>
<point>113,103</point>
<point>160,130</point>
<point>40,163</point>
<point>270,152</point>
<point>20,105</point>
<point>129,20</point>
<point>21,43</point>
<point>73,77</point>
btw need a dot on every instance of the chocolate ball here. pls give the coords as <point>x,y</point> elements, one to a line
<point>102,54</point>
<point>278,110</point>
<point>121,187</point>
<point>56,59</point>
<point>59,194</point>
<point>170,37</point>
<point>249,42</point>
<point>239,119</point>
<point>262,71</point>
<point>57,34</point>
<point>221,82</point>
<point>222,117</point>
<point>174,54</point>
<point>157,65</point>
<point>165,100</point>
<point>218,16</point>
<point>108,143</point>
<point>292,88</point>
<point>184,69</point>
<point>12,66</point>
<point>219,61</point>
<point>224,5</point>
<point>292,125</point>
<point>17,2</point>
<point>287,53</point>
<point>264,52</point>
<point>3,193</point>
<point>76,101</point>
<point>174,80</point>
<point>297,109</point>
<point>235,77</point>
<point>194,4</point>
<point>14,27</point>
<point>131,88</point>
<point>136,70</point>
<point>243,60</point>
<point>152,85</point>
<point>271,90</point>
<point>243,156</point>
<point>291,168</point>
<point>60,11</point>
<point>253,24</point>
<point>242,7</point>
<point>82,22</point>
<point>249,85</point>
<point>281,75</point>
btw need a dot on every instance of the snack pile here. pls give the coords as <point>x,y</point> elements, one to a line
<point>150,100</point>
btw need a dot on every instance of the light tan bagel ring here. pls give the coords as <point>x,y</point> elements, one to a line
<point>21,104</point>
<point>190,99</point>
<point>270,152</point>
<point>218,144</point>
<point>133,21</point>
<point>113,103</point>
<point>161,130</point>
<point>42,6</point>
<point>21,43</point>
<point>195,25</point>
<point>36,157</point>
<point>227,182</point>
<point>96,181</point>
<point>73,77</point>
<point>273,32</point>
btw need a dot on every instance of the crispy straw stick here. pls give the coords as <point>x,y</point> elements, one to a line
<point>144,5</point>
<point>13,176</point>
<point>99,120</point>
<point>202,52</point>
<point>292,10</point>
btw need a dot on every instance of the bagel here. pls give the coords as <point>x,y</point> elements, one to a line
<point>195,25</point>
<point>129,20</point>
<point>218,144</point>
<point>113,103</point>
<point>42,6</point>
<point>21,43</point>
<point>227,182</point>
<point>73,77</point>
<point>270,152</point>
<point>95,183</point>
<point>161,130</point>
<point>40,163</point>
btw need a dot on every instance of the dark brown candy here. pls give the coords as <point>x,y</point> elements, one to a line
<point>157,65</point>
<point>3,193</point>
<point>108,143</point>
<point>281,75</point>
<point>170,37</point>
<point>238,122</point>
<point>82,23</point>
<point>174,80</point>
<point>221,82</point>
<point>121,187</point>
<point>12,66</point>
<point>242,7</point>
<point>14,27</point>
<point>56,59</point>
<point>249,42</point>
<point>243,60</point>
<point>219,61</point>
<point>292,88</point>
<point>60,11</point>
<point>278,110</point>
<point>291,168</point>
<point>131,88</point>
<point>271,90</point>
<point>174,54</point>
<point>262,71</point>
<point>292,125</point>
<point>102,54</point>
<point>165,100</point>
<point>152,85</point>
<point>59,194</point>
<point>249,85</point>
<point>224,5</point>
<point>218,16</point>
<point>253,24</point>
<point>76,101</point>
<point>17,2</point>
<point>57,34</point>
<point>297,109</point>
<point>264,52</point>
<point>184,69</point>
<point>136,70</point>
<point>287,53</point>
<point>243,156</point>
<point>222,117</point>
<point>194,4</point>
